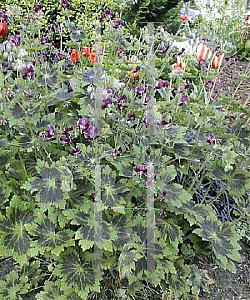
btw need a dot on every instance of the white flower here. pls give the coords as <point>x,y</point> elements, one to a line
<point>117,84</point>
<point>18,65</point>
<point>22,52</point>
<point>89,89</point>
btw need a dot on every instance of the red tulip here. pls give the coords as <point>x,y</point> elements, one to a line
<point>86,52</point>
<point>203,52</point>
<point>217,60</point>
<point>74,55</point>
<point>3,29</point>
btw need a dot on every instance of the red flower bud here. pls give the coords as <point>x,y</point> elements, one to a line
<point>74,55</point>
<point>3,29</point>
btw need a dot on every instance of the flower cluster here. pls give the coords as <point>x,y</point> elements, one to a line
<point>204,53</point>
<point>86,52</point>
<point>90,133</point>
<point>106,102</point>
<point>162,84</point>
<point>140,90</point>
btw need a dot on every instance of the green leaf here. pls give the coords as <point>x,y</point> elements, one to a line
<point>15,238</point>
<point>49,238</point>
<point>175,195</point>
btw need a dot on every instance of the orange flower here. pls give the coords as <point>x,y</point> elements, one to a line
<point>184,17</point>
<point>93,58</point>
<point>74,55</point>
<point>134,74</point>
<point>86,52</point>
<point>217,60</point>
<point>3,29</point>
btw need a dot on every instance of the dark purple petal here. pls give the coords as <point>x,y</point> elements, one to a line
<point>43,40</point>
<point>186,85</point>
<point>16,39</point>
<point>211,139</point>
<point>83,124</point>
<point>75,151</point>
<point>184,100</point>
<point>159,85</point>
<point>65,3</point>
<point>131,116</point>
<point>140,90</point>
<point>65,139</point>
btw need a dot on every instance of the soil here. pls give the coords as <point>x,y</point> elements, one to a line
<point>235,80</point>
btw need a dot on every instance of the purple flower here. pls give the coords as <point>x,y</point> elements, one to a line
<point>120,102</point>
<point>106,102</point>
<point>140,90</point>
<point>215,95</point>
<point>65,139</point>
<point>38,7</point>
<point>118,24</point>
<point>75,151</point>
<point>83,124</point>
<point>16,39</point>
<point>49,133</point>
<point>43,40</point>
<point>115,153</point>
<point>109,91</point>
<point>140,169</point>
<point>103,16</point>
<point>68,129</point>
<point>59,55</point>
<point>28,72</point>
<point>166,84</point>
<point>111,14</point>
<point>211,139</point>
<point>90,133</point>
<point>186,85</point>
<point>184,100</point>
<point>65,3</point>
<point>209,85</point>
<point>131,116</point>
<point>159,84</point>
